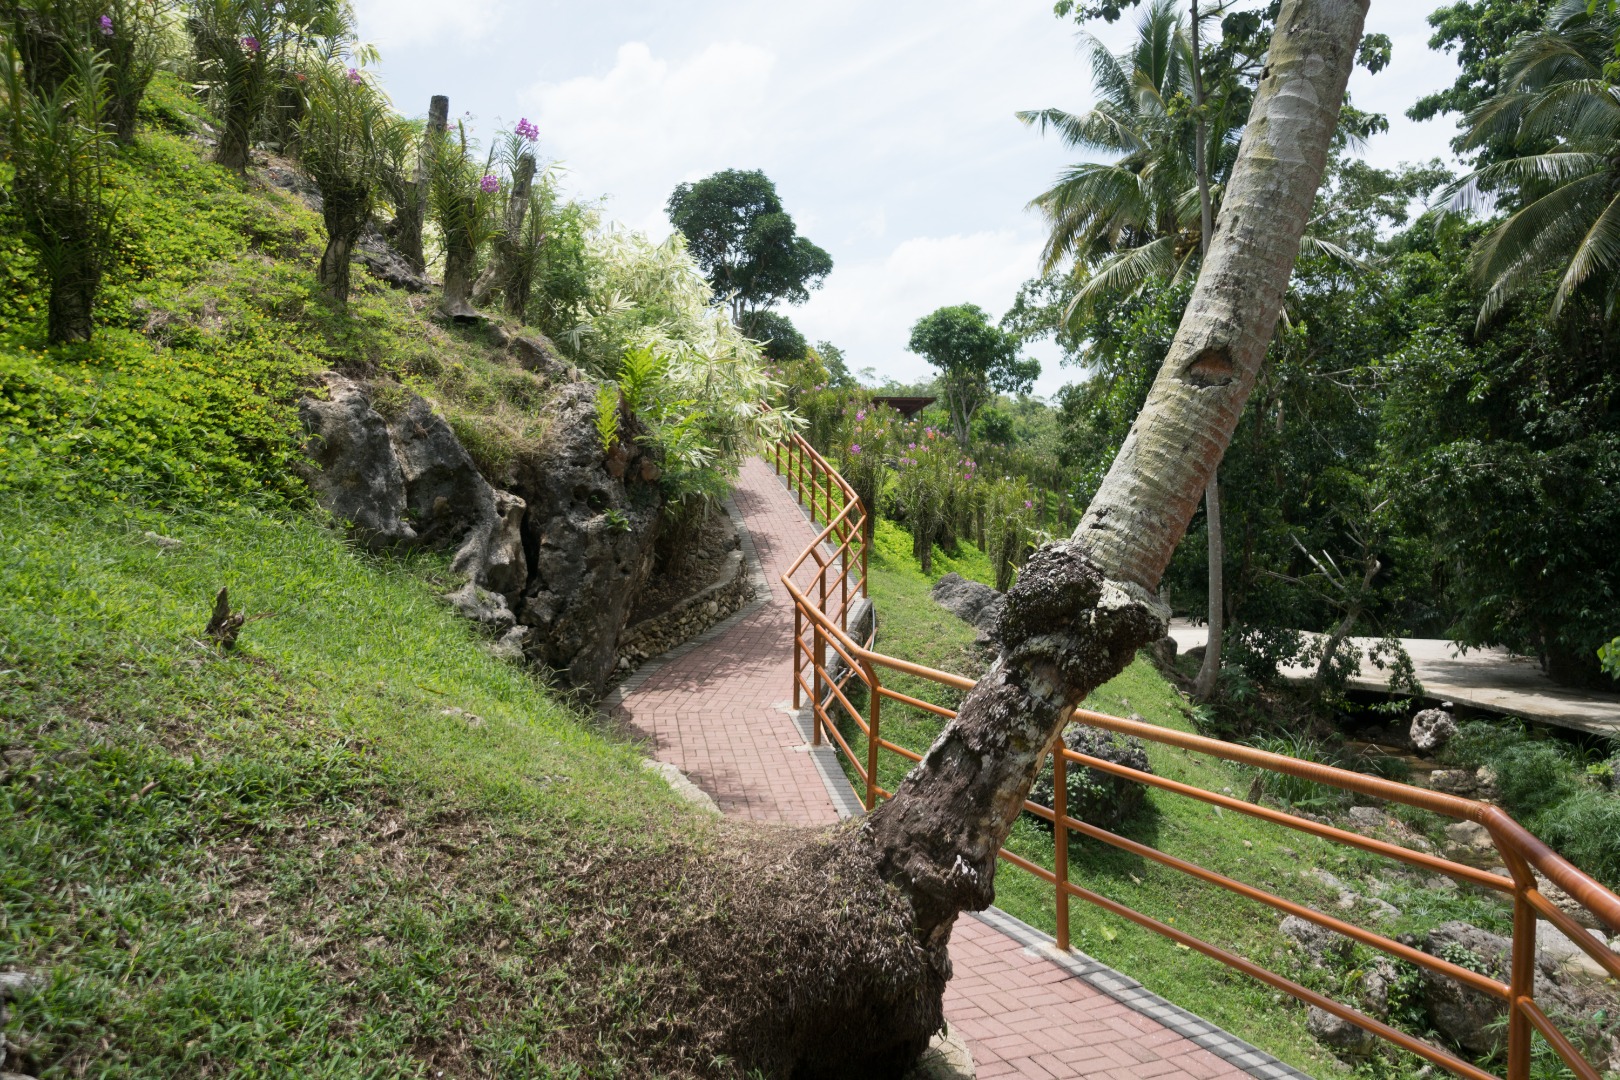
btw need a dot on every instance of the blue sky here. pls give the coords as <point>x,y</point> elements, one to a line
<point>888,128</point>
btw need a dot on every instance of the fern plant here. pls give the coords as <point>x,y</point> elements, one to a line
<point>607,416</point>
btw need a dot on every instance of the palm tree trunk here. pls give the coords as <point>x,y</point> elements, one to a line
<point>1082,608</point>
<point>1209,671</point>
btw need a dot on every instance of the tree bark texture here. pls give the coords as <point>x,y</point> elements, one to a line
<point>345,211</point>
<point>1210,670</point>
<point>1082,607</point>
<point>73,284</point>
<point>408,219</point>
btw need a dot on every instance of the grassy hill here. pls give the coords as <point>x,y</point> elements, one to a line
<point>360,846</point>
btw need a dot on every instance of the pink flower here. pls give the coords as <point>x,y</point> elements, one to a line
<point>527,130</point>
<point>861,415</point>
<point>1028,505</point>
<point>250,43</point>
<point>106,26</point>
<point>489,184</point>
<point>855,448</point>
<point>354,76</point>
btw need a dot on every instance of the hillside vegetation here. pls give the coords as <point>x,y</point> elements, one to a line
<point>359,845</point>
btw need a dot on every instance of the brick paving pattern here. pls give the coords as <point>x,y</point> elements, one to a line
<point>719,714</point>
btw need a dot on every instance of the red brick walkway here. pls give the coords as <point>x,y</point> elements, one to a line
<point>718,713</point>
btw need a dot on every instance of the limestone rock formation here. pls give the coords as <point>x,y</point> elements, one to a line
<point>1432,729</point>
<point>589,537</point>
<point>563,552</point>
<point>973,602</point>
<point>359,480</point>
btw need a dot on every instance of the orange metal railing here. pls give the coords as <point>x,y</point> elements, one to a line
<point>840,554</point>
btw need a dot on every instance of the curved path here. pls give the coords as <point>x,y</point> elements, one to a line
<point>720,711</point>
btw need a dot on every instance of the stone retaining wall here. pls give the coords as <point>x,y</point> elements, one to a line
<point>733,588</point>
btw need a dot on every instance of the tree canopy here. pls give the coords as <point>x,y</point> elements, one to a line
<point>975,358</point>
<point>748,245</point>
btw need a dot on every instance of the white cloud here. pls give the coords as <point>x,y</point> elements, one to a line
<point>649,122</point>
<point>868,308</point>
<point>401,23</point>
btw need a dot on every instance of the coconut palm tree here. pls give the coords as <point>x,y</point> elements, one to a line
<point>1136,216</point>
<point>1562,112</point>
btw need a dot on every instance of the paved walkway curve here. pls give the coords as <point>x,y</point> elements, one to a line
<point>720,712</point>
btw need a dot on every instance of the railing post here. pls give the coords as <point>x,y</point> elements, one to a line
<point>1060,838</point>
<point>1521,986</point>
<point>798,652</point>
<point>819,664</point>
<point>864,561</point>
<point>873,734</point>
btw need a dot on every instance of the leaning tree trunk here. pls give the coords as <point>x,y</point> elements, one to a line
<point>1082,607</point>
<point>1210,670</point>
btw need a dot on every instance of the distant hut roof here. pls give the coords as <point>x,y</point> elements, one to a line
<point>907,407</point>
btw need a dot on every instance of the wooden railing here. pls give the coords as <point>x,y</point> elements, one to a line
<point>840,554</point>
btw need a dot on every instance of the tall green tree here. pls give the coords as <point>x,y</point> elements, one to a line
<point>976,361</point>
<point>737,230</point>
<point>1481,33</point>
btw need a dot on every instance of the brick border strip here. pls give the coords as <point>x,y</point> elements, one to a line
<point>1122,988</point>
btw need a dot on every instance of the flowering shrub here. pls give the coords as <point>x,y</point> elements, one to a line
<point>462,195</point>
<point>342,146</point>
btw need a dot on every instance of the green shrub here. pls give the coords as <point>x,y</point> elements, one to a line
<point>1292,791</point>
<point>1584,826</point>
<point>1531,776</point>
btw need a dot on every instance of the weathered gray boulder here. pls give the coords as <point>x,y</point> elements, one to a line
<point>1455,782</point>
<point>973,602</point>
<point>1343,1037</point>
<point>446,495</point>
<point>1098,798</point>
<point>481,606</point>
<point>410,482</point>
<point>386,263</point>
<point>1317,943</point>
<point>590,537</point>
<point>1432,729</point>
<point>359,480</point>
<point>1468,1017</point>
<point>1163,653</point>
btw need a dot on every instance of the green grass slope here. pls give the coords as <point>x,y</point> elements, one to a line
<point>360,846</point>
<point>344,851</point>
